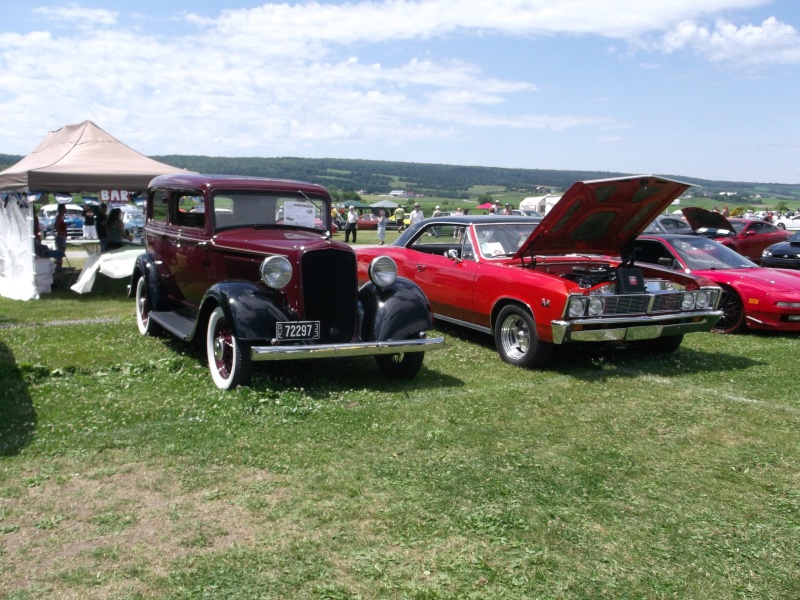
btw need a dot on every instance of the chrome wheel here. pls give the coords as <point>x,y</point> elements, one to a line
<point>516,339</point>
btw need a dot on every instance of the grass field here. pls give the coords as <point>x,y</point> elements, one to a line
<point>124,473</point>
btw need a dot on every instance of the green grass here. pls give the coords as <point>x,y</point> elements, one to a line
<point>125,474</point>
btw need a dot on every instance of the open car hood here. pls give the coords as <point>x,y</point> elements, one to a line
<point>700,218</point>
<point>602,216</point>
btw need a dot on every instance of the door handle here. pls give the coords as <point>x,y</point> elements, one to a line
<point>420,268</point>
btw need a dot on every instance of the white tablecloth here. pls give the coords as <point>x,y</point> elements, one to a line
<point>115,264</point>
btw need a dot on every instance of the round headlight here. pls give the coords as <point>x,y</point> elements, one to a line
<point>595,306</point>
<point>766,253</point>
<point>382,271</point>
<point>688,301</point>
<point>276,271</point>
<point>576,307</point>
<point>702,299</point>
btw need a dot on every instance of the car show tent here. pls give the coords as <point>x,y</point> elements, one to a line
<point>74,158</point>
<point>82,157</point>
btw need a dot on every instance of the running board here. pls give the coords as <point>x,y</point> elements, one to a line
<point>178,325</point>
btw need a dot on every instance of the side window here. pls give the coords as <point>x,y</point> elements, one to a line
<point>436,239</point>
<point>190,212</point>
<point>159,206</point>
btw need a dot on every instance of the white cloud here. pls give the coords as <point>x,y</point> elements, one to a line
<point>76,15</point>
<point>772,42</point>
<point>281,76</point>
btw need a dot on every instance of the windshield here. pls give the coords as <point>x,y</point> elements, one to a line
<point>502,239</point>
<point>249,209</point>
<point>702,253</point>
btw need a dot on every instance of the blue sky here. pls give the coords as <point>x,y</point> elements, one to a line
<point>694,88</point>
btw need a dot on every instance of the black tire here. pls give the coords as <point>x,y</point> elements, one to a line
<point>662,345</point>
<point>143,307</point>
<point>228,358</point>
<point>400,366</point>
<point>516,340</point>
<point>733,318</point>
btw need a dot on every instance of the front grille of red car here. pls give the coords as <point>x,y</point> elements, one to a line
<point>626,305</point>
<point>667,302</point>
<point>330,293</point>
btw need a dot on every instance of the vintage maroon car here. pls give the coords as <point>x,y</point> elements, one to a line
<point>748,237</point>
<point>566,278</point>
<point>752,297</point>
<point>247,266</point>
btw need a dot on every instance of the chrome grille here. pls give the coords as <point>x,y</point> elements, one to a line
<point>625,305</point>
<point>667,302</point>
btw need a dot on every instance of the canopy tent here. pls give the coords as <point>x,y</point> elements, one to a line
<point>82,157</point>
<point>353,203</point>
<point>75,158</point>
<point>385,204</point>
<point>485,206</point>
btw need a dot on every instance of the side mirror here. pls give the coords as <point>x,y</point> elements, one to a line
<point>452,254</point>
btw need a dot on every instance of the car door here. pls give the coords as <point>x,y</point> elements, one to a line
<point>192,268</point>
<point>756,236</point>
<point>447,282</point>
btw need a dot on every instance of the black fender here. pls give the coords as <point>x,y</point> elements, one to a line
<point>250,309</point>
<point>146,267</point>
<point>396,312</point>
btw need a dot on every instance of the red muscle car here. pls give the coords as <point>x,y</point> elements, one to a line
<point>748,237</point>
<point>534,283</point>
<point>752,297</point>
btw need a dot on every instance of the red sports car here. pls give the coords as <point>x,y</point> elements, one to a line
<point>748,237</point>
<point>534,283</point>
<point>752,296</point>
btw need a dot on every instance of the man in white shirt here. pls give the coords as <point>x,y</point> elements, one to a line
<point>351,225</point>
<point>416,215</point>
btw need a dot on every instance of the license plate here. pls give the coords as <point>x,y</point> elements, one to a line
<point>298,330</point>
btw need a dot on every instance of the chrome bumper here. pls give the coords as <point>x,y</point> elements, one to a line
<point>638,328</point>
<point>340,350</point>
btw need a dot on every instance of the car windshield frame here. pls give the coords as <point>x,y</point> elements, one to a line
<point>501,240</point>
<point>248,208</point>
<point>703,254</point>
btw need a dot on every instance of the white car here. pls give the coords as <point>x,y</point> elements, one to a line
<point>788,223</point>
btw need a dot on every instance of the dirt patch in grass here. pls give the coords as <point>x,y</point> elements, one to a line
<point>121,528</point>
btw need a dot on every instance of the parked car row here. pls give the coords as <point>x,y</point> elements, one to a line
<point>253,273</point>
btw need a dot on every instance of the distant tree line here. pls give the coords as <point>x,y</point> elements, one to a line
<point>446,181</point>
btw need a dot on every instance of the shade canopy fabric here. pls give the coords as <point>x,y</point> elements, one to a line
<point>79,158</point>
<point>384,204</point>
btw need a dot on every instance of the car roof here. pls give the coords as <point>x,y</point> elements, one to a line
<point>207,182</point>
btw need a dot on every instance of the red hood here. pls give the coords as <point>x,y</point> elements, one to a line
<point>602,216</point>
<point>700,218</point>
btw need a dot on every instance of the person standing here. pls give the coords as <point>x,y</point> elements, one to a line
<point>400,218</point>
<point>100,223</point>
<point>61,235</point>
<point>416,215</point>
<point>382,226</point>
<point>351,225</point>
<point>89,229</point>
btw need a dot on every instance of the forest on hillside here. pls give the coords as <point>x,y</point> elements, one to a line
<point>441,180</point>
